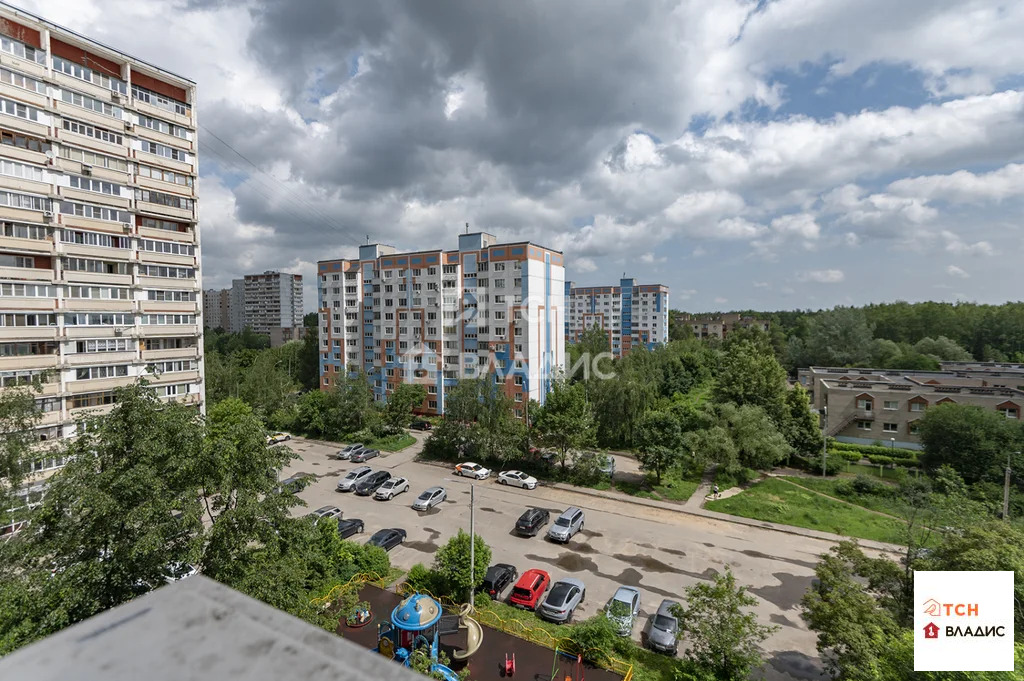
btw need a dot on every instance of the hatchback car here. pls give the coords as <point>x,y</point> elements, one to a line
<point>566,525</point>
<point>346,452</point>
<point>387,539</point>
<point>353,478</point>
<point>294,484</point>
<point>430,498</point>
<point>472,470</point>
<point>498,578</point>
<point>325,512</point>
<point>531,521</point>
<point>517,479</point>
<point>278,438</point>
<point>561,602</point>
<point>663,629</point>
<point>364,455</point>
<point>372,482</point>
<point>529,589</point>
<point>347,528</point>
<point>391,488</point>
<point>623,608</point>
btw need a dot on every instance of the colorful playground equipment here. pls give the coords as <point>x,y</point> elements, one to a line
<point>415,627</point>
<point>574,671</point>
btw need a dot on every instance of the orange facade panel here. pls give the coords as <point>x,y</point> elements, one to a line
<point>87,59</point>
<point>160,87</point>
<point>21,33</point>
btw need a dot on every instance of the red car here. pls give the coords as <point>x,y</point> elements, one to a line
<point>529,589</point>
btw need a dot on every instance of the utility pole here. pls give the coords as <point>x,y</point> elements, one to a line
<point>824,442</point>
<point>472,543</point>
<point>1006,489</point>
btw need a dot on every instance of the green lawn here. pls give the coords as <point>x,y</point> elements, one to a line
<point>674,486</point>
<point>779,502</point>
<point>392,443</point>
<point>876,471</point>
<point>875,502</point>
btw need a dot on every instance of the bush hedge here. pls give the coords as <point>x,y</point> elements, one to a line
<point>881,450</point>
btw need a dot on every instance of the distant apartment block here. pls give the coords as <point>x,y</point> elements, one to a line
<point>273,300</point>
<point>99,234</point>
<point>719,325</point>
<point>881,405</point>
<point>629,313</point>
<point>224,308</point>
<point>433,317</point>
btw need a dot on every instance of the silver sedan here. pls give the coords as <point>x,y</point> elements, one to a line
<point>430,498</point>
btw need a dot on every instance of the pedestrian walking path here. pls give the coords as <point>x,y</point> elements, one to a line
<point>703,491</point>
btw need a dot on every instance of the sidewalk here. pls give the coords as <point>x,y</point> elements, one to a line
<point>703,491</point>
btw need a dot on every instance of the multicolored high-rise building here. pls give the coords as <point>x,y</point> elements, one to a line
<point>629,313</point>
<point>433,317</point>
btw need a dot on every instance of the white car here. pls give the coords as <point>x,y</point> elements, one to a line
<point>517,478</point>
<point>390,488</point>
<point>472,470</point>
<point>278,438</point>
<point>178,571</point>
<point>325,512</point>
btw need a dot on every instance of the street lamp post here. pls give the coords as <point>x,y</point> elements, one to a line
<point>472,543</point>
<point>824,442</point>
<point>892,446</point>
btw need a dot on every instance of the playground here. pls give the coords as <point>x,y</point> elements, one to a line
<point>495,655</point>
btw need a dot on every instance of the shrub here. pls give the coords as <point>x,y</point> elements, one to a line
<point>422,578</point>
<point>873,449</point>
<point>851,456</point>
<point>834,465</point>
<point>595,638</point>
<point>880,459</point>
<point>373,560</point>
<point>867,486</point>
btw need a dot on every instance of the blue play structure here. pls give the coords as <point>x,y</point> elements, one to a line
<point>415,626</point>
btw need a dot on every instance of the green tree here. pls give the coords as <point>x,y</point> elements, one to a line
<point>853,631</point>
<point>497,434</point>
<point>759,444</point>
<point>660,442</point>
<point>398,410</point>
<point>308,369</point>
<point>121,512</point>
<point>452,563</point>
<point>593,343</point>
<point>265,384</point>
<point>723,635</point>
<point>800,424</point>
<point>838,337</point>
<point>349,406</point>
<point>750,375</point>
<point>943,348</point>
<point>312,416</point>
<point>713,445</point>
<point>565,422</point>
<point>973,440</point>
<point>18,418</point>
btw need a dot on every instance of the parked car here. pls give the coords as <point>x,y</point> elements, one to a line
<point>353,478</point>
<point>531,521</point>
<point>347,451</point>
<point>472,470</point>
<point>528,590</point>
<point>605,462</point>
<point>347,528</point>
<point>325,512</point>
<point>294,484</point>
<point>663,629</point>
<point>364,455</point>
<point>372,482</point>
<point>421,425</point>
<point>517,478</point>
<point>566,525</point>
<point>498,578</point>
<point>431,497</point>
<point>387,539</point>
<point>391,488</point>
<point>561,602</point>
<point>623,608</point>
<point>278,438</point>
<point>178,571</point>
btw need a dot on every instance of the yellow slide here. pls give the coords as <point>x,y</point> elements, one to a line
<point>474,633</point>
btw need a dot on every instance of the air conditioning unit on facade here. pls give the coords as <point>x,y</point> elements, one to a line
<point>86,169</point>
<point>47,216</point>
<point>128,125</point>
<point>127,227</point>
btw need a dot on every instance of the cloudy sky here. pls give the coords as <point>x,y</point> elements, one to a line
<point>749,154</point>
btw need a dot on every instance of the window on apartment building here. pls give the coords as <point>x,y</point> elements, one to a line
<point>917,406</point>
<point>890,427</point>
<point>913,428</point>
<point>890,405</point>
<point>17,139</point>
<point>1009,412</point>
<point>864,404</point>
<point>863,425</point>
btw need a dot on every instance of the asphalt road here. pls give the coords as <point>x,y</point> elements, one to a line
<point>658,551</point>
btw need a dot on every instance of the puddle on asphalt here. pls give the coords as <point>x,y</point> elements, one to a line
<point>585,548</point>
<point>648,563</point>
<point>787,593</point>
<point>568,561</point>
<point>709,545</point>
<point>488,509</point>
<point>424,546</point>
<point>431,511</point>
<point>590,533</point>
<point>793,561</point>
<point>315,463</point>
<point>434,534</point>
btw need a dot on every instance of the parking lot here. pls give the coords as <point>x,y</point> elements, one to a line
<point>658,551</point>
